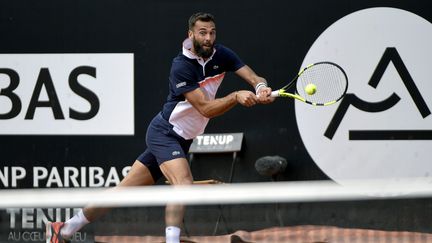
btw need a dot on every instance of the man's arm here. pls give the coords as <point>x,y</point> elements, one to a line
<point>216,107</point>
<point>259,83</point>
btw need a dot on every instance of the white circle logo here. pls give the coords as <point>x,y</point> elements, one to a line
<point>382,129</point>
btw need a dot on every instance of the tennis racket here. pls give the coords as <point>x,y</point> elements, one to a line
<point>319,84</point>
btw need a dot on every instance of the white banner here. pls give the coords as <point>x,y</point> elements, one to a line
<point>67,94</point>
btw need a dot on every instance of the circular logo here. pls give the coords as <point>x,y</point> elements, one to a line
<point>382,129</point>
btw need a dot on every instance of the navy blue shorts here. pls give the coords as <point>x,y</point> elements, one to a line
<point>163,144</point>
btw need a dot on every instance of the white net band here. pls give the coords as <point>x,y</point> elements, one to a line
<point>237,193</point>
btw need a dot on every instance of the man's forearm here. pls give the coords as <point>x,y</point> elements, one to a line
<point>219,106</point>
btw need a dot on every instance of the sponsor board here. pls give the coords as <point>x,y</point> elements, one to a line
<point>67,94</point>
<point>28,224</point>
<point>217,143</point>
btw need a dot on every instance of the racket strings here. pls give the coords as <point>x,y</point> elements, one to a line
<point>330,82</point>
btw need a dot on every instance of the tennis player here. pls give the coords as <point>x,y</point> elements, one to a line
<point>195,76</point>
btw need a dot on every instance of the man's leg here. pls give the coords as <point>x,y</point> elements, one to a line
<point>57,232</point>
<point>177,172</point>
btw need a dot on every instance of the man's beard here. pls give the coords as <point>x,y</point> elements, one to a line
<point>200,51</point>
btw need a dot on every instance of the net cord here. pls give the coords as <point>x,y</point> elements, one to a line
<point>237,193</point>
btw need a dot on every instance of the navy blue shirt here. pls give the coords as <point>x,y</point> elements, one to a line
<point>189,72</point>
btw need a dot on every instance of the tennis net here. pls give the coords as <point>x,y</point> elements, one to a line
<point>309,211</point>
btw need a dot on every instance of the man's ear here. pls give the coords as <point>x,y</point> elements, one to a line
<point>190,34</point>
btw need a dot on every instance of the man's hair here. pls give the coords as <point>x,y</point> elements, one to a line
<point>205,17</point>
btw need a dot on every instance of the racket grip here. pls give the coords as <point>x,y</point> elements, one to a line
<point>274,93</point>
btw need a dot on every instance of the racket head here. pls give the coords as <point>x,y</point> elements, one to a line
<point>330,80</point>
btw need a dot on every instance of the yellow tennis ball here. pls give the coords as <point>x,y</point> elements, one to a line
<point>310,89</point>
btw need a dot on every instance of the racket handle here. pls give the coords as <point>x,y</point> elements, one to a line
<point>274,93</point>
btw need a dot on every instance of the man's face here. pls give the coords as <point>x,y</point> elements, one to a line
<point>203,38</point>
